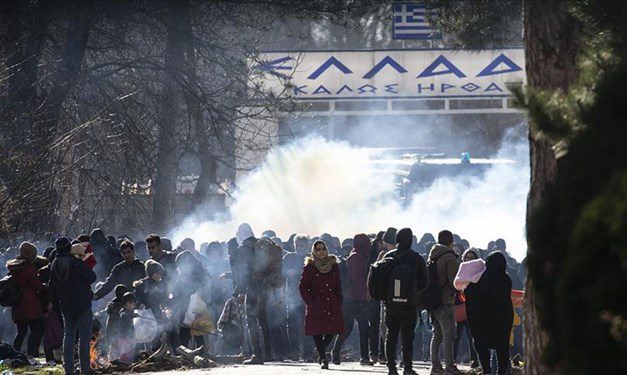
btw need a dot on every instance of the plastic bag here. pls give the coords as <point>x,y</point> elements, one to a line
<point>145,326</point>
<point>198,318</point>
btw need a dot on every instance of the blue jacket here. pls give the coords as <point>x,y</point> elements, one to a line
<point>70,284</point>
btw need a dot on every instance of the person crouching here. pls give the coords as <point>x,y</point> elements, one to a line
<point>125,342</point>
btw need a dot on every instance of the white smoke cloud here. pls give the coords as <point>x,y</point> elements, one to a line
<point>314,186</point>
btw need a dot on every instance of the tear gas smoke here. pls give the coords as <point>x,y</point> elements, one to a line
<point>314,186</point>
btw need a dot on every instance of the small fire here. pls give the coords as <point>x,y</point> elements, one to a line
<point>95,359</point>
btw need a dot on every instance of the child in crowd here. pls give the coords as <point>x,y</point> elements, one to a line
<point>125,341</point>
<point>113,309</point>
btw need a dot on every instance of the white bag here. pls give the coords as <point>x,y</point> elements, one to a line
<point>146,327</point>
<point>198,317</point>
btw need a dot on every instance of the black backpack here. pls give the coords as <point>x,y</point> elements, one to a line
<point>379,277</point>
<point>401,288</point>
<point>10,292</point>
<point>431,298</point>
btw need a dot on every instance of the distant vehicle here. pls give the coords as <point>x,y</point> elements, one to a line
<point>429,168</point>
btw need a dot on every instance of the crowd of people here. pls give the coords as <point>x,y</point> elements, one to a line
<point>269,299</point>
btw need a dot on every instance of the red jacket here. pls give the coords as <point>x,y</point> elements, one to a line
<point>26,277</point>
<point>322,293</point>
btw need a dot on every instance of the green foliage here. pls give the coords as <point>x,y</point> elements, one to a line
<point>481,24</point>
<point>580,232</point>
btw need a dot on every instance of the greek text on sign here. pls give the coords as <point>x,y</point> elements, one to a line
<point>384,74</point>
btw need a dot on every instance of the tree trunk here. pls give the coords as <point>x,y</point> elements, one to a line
<point>34,115</point>
<point>164,184</point>
<point>551,48</point>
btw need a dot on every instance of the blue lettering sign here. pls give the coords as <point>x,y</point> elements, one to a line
<point>332,61</point>
<point>470,87</point>
<point>430,87</point>
<point>446,86</point>
<point>321,89</point>
<point>345,87</point>
<point>391,88</point>
<point>493,87</point>
<point>490,70</point>
<point>299,90</point>
<point>387,60</point>
<point>441,60</point>
<point>367,89</point>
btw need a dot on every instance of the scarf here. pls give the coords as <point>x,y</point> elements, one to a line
<point>324,265</point>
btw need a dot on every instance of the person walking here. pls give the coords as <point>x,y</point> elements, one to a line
<point>70,285</point>
<point>442,316</point>
<point>28,313</point>
<point>406,277</point>
<point>491,313</point>
<point>356,299</point>
<point>321,290</point>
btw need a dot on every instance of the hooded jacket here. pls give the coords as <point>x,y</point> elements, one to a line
<point>242,265</point>
<point>25,274</point>
<point>122,273</point>
<point>70,284</point>
<point>447,266</point>
<point>357,264</point>
<point>489,304</point>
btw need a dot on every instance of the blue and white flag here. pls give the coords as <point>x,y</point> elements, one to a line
<point>410,21</point>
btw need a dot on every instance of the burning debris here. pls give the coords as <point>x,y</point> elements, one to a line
<point>163,359</point>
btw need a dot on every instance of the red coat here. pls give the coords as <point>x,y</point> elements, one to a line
<point>26,277</point>
<point>322,293</point>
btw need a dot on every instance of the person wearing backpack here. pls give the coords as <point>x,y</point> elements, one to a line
<point>443,261</point>
<point>404,278</point>
<point>28,312</point>
<point>356,299</point>
<point>389,244</point>
<point>70,285</point>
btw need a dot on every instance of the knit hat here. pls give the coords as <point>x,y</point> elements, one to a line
<point>153,266</point>
<point>63,245</point>
<point>120,290</point>
<point>390,236</point>
<point>404,238</point>
<point>28,251</point>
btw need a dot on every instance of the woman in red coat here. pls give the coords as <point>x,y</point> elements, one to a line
<point>321,289</point>
<point>29,312</point>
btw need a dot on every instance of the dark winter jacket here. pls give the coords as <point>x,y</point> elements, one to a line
<point>357,265</point>
<point>113,321</point>
<point>447,266</point>
<point>125,324</point>
<point>152,294</point>
<point>322,293</point>
<point>242,265</point>
<point>70,284</point>
<point>417,262</point>
<point>25,275</point>
<point>489,304</point>
<point>292,269</point>
<point>122,273</point>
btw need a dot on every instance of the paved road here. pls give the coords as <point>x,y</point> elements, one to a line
<point>294,368</point>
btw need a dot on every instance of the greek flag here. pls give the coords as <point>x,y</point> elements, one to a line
<point>410,21</point>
